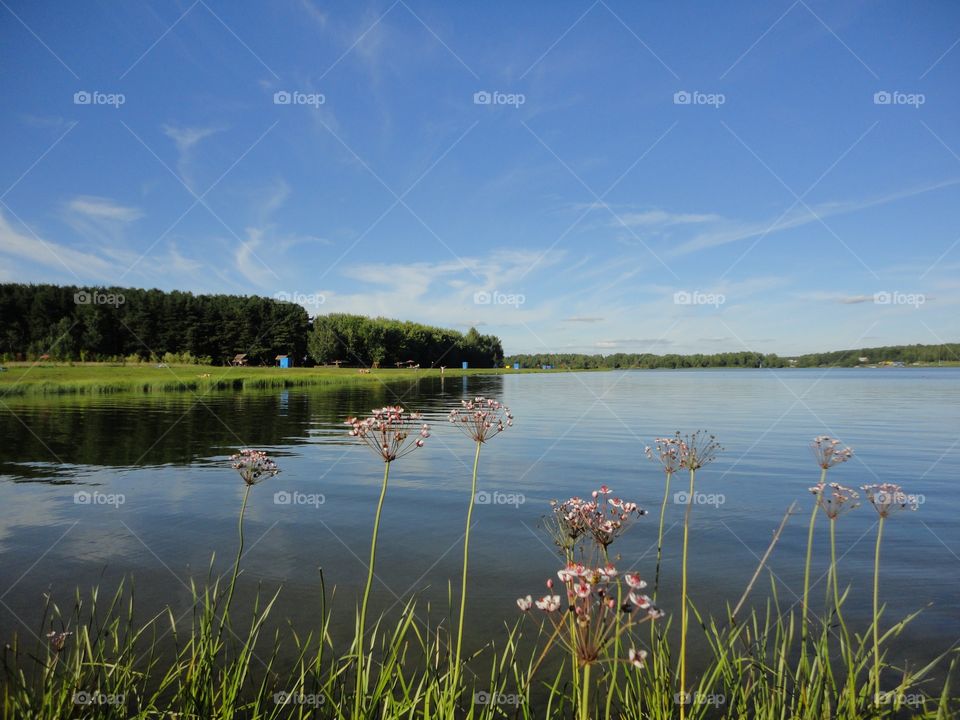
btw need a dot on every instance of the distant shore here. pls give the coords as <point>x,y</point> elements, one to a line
<point>23,378</point>
<point>50,379</point>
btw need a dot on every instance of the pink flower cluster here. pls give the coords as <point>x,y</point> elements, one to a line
<point>828,452</point>
<point>568,523</point>
<point>253,465</point>
<point>668,451</point>
<point>603,518</point>
<point>607,518</point>
<point>481,418</point>
<point>390,432</point>
<point>594,597</point>
<point>888,498</point>
<point>835,499</point>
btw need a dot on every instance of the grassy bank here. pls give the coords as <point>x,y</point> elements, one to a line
<point>21,379</point>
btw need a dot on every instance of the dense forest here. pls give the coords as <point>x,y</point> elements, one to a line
<point>131,324</point>
<point>359,340</point>
<point>72,323</point>
<point>906,354</point>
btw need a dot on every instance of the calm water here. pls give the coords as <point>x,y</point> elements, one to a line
<point>167,457</point>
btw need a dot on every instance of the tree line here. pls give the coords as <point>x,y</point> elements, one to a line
<point>647,361</point>
<point>112,323</point>
<point>359,340</point>
<point>137,325</point>
<point>907,354</point>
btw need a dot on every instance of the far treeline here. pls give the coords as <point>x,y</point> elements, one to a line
<point>906,354</point>
<point>135,325</point>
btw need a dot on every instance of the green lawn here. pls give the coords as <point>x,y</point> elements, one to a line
<point>62,378</point>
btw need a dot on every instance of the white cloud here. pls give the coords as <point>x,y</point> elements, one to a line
<point>99,208</point>
<point>661,218</point>
<point>728,231</point>
<point>73,264</point>
<point>186,139</point>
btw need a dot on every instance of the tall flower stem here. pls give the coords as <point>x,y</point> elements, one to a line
<point>806,579</point>
<point>876,614</point>
<point>585,694</point>
<point>358,697</point>
<point>844,635</point>
<point>236,564</point>
<point>466,556</point>
<point>833,572</point>
<point>663,513</point>
<point>683,593</point>
<point>572,629</point>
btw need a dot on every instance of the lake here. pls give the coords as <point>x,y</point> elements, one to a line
<point>163,498</point>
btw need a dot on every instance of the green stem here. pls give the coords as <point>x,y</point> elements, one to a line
<point>236,564</point>
<point>844,635</point>
<point>585,695</point>
<point>876,615</point>
<point>806,579</point>
<point>663,512</point>
<point>833,572</point>
<point>575,674</point>
<point>466,555</point>
<point>683,593</point>
<point>358,697</point>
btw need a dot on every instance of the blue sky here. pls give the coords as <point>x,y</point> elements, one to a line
<point>572,176</point>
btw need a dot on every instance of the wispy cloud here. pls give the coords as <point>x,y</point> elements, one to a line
<point>661,218</point>
<point>101,220</point>
<point>728,232</point>
<point>98,208</point>
<point>66,262</point>
<point>186,139</point>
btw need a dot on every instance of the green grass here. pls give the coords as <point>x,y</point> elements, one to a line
<point>100,378</point>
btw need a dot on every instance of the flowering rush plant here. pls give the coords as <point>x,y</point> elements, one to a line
<point>602,518</point>
<point>827,452</point>
<point>607,518</point>
<point>253,465</point>
<point>667,451</point>
<point>390,432</point>
<point>835,499</point>
<point>481,418</point>
<point>888,498</point>
<point>599,617</point>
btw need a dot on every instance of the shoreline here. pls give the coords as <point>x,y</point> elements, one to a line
<point>22,379</point>
<point>51,379</point>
